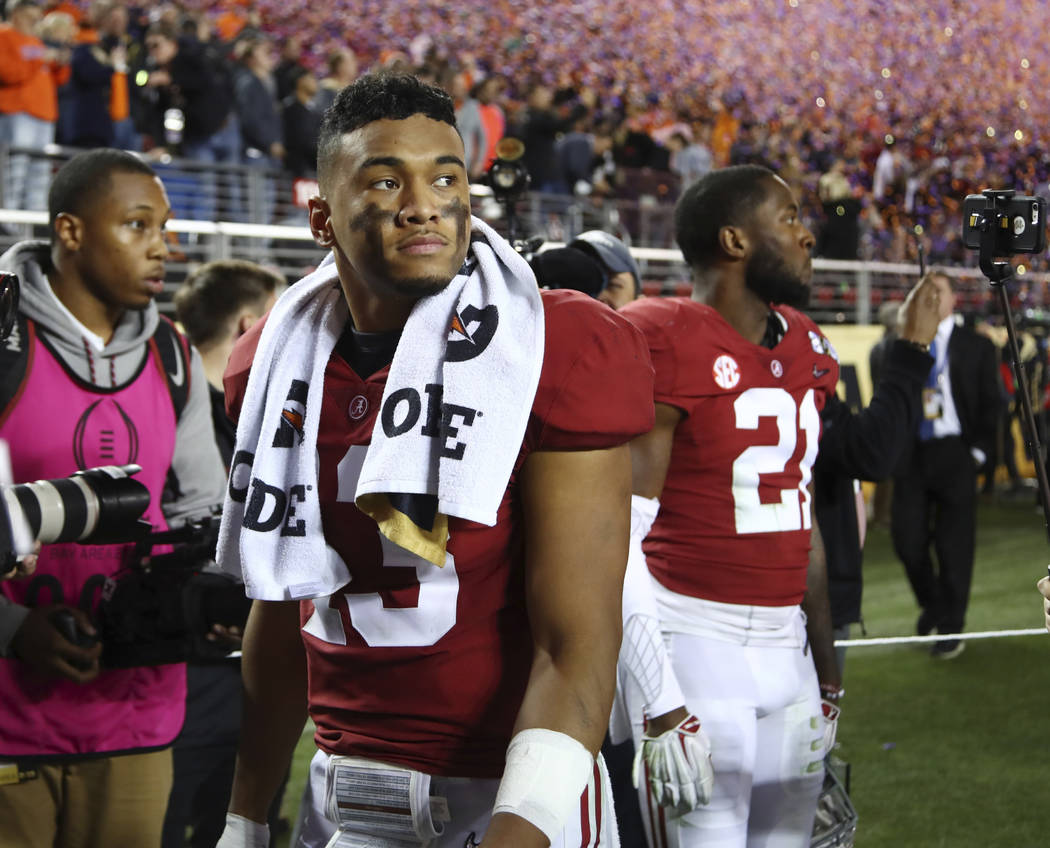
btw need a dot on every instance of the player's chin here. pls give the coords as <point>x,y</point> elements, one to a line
<point>420,286</point>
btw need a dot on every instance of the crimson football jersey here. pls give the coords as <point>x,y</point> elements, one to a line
<point>424,666</point>
<point>735,517</point>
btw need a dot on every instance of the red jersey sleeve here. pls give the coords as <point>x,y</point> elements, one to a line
<point>596,387</point>
<point>659,322</point>
<point>235,377</point>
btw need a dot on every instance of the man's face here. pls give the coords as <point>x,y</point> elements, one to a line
<point>619,291</point>
<point>396,208</point>
<point>946,299</point>
<point>121,251</point>
<point>25,19</point>
<point>779,269</point>
<point>161,49</point>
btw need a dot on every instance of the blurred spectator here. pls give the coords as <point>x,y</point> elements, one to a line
<point>342,70</point>
<point>99,86</point>
<point>576,153</point>
<point>58,30</point>
<point>30,73</point>
<point>302,123</point>
<point>287,70</point>
<point>262,127</point>
<point>255,92</point>
<point>468,120</point>
<point>539,131</point>
<point>690,159</point>
<point>839,237</point>
<point>487,93</point>
<point>186,105</point>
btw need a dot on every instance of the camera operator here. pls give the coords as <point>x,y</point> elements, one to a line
<point>93,376</point>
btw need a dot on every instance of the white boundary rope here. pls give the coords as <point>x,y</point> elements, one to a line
<point>940,637</point>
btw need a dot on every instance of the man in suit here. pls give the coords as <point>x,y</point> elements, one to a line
<point>934,495</point>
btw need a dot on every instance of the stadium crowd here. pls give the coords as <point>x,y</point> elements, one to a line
<point>881,115</point>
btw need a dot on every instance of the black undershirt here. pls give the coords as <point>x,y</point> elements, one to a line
<point>774,331</point>
<point>367,353</point>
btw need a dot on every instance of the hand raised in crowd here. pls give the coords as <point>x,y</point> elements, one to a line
<point>1044,588</point>
<point>39,643</point>
<point>919,314</point>
<point>118,57</point>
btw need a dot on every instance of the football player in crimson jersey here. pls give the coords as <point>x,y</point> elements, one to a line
<point>527,611</point>
<point>734,554</point>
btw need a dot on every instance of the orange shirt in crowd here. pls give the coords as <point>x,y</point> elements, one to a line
<point>495,124</point>
<point>28,83</point>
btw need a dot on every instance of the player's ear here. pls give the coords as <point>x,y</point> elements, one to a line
<point>733,241</point>
<point>321,221</point>
<point>68,231</point>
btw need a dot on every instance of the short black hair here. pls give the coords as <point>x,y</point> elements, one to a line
<point>721,198</point>
<point>84,179</point>
<point>377,97</point>
<point>216,292</point>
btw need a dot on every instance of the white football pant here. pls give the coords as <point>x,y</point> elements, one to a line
<point>747,676</point>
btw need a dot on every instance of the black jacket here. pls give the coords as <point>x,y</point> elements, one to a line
<point>865,446</point>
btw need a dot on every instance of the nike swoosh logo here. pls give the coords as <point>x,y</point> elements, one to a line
<point>179,377</point>
<point>820,372</point>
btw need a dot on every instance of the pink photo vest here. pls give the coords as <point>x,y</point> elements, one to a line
<point>58,425</point>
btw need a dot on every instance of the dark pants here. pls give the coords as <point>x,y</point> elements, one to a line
<point>935,501</point>
<point>619,759</point>
<point>204,756</point>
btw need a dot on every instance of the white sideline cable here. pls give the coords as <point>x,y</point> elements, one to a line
<point>900,640</point>
<point>940,637</point>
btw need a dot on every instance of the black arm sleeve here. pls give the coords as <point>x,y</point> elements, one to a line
<point>867,445</point>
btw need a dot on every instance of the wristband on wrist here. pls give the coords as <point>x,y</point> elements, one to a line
<point>831,692</point>
<point>545,774</point>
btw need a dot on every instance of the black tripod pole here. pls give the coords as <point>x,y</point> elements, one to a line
<point>998,273</point>
<point>1028,414</point>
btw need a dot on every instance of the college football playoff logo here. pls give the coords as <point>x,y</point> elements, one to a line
<point>292,416</point>
<point>471,331</point>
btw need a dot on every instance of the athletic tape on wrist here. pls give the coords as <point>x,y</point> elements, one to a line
<point>545,774</point>
<point>243,833</point>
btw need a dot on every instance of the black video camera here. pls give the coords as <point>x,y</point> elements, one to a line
<point>1018,223</point>
<point>161,608</point>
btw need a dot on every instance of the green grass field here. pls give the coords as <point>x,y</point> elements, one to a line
<point>944,754</point>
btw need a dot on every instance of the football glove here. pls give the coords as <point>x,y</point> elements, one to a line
<point>1044,589</point>
<point>677,766</point>
<point>243,833</point>
<point>831,723</point>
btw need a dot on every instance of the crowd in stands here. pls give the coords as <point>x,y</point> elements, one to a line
<point>882,114</point>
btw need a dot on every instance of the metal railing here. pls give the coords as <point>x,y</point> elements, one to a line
<point>843,292</point>
<point>201,194</point>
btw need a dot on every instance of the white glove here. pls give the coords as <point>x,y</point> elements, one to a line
<point>678,766</point>
<point>1044,588</point>
<point>831,724</point>
<point>243,833</point>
